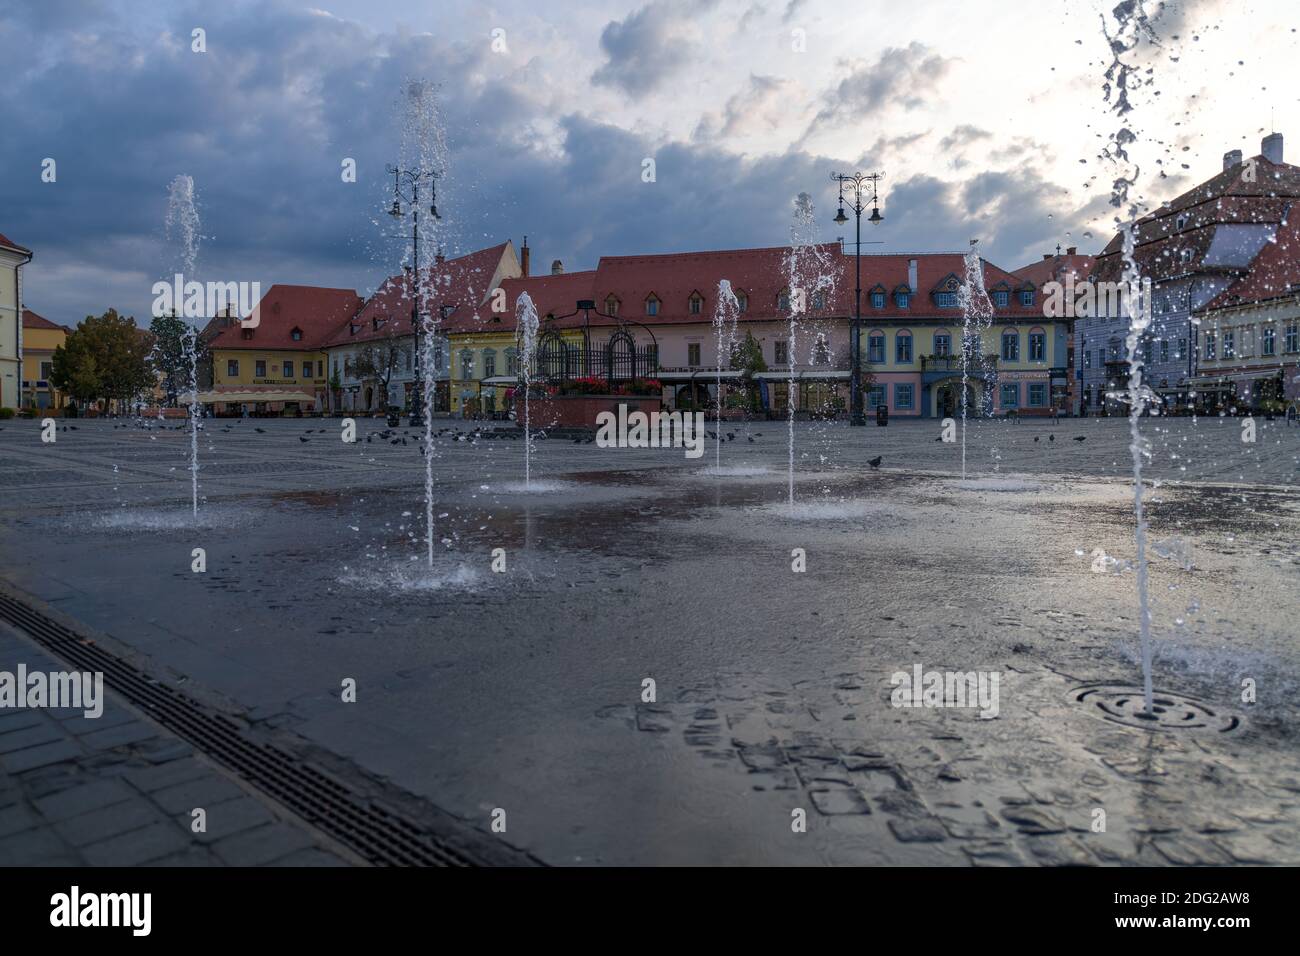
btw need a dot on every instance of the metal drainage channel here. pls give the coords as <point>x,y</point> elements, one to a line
<point>374,833</point>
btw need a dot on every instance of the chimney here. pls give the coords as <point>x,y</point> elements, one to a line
<point>523,258</point>
<point>911,274</point>
<point>439,258</point>
<point>557,268</point>
<point>1271,147</point>
<point>1231,158</point>
<point>1046,256</point>
<point>1072,250</point>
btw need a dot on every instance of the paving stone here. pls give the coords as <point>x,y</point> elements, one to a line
<point>79,725</point>
<point>35,847</point>
<point>107,822</point>
<point>139,846</point>
<point>263,845</point>
<point>11,720</point>
<point>42,733</point>
<point>82,799</point>
<point>120,736</point>
<point>205,792</point>
<point>918,830</point>
<point>313,856</point>
<point>842,800</point>
<point>16,818</point>
<point>164,750</point>
<point>231,817</point>
<point>149,779</point>
<point>41,756</point>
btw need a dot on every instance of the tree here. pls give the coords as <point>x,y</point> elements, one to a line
<point>168,358</point>
<point>105,356</point>
<point>377,361</point>
<point>747,357</point>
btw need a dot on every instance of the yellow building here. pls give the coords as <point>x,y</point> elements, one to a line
<point>12,259</point>
<point>277,366</point>
<point>40,338</point>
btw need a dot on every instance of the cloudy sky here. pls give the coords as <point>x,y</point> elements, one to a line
<point>986,116</point>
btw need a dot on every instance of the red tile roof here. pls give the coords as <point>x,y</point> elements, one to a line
<point>457,288</point>
<point>1054,268</point>
<point>33,321</point>
<point>315,311</point>
<point>6,241</point>
<point>1274,272</point>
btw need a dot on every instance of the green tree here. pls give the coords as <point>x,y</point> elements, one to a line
<point>168,359</point>
<point>747,357</point>
<point>105,356</point>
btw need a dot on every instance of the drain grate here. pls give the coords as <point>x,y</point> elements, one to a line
<point>1127,705</point>
<point>377,834</point>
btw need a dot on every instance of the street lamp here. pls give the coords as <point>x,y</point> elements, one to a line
<point>861,189</point>
<point>412,179</point>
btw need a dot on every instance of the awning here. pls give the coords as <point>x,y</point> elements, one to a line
<point>501,380</point>
<point>248,398</point>
<point>806,375</point>
<point>697,375</point>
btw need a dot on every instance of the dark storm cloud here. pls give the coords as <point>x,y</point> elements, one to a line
<point>263,120</point>
<point>647,47</point>
<point>901,77</point>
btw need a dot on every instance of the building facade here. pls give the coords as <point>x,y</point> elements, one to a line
<point>12,259</point>
<point>40,338</point>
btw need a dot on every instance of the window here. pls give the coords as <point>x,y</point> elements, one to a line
<point>259,368</point>
<point>1037,394</point>
<point>1268,340</point>
<point>783,299</point>
<point>877,300</point>
<point>1087,358</point>
<point>696,303</point>
<point>232,367</point>
<point>47,369</point>
<point>489,362</point>
<point>1037,346</point>
<point>1229,343</point>
<point>611,305</point>
<point>1292,343</point>
<point>742,302</point>
<point>903,348</point>
<point>1182,348</point>
<point>288,369</point>
<point>693,354</point>
<point>875,396</point>
<point>821,353</point>
<point>652,306</point>
<point>1164,350</point>
<point>781,352</point>
<point>296,335</point>
<point>439,358</point>
<point>1027,297</point>
<point>1209,345</point>
<point>1148,349</point>
<point>876,348</point>
<point>942,344</point>
<point>1180,222</point>
<point>819,300</point>
<point>320,368</point>
<point>904,395</point>
<point>945,300</point>
<point>466,363</point>
<point>445,311</point>
<point>1001,298</point>
<point>1010,394</point>
<point>901,299</point>
<point>1010,346</point>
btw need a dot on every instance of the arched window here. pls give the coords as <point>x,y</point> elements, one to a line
<point>1010,345</point>
<point>821,353</point>
<point>512,362</point>
<point>652,304</point>
<point>1037,345</point>
<point>819,300</point>
<point>876,348</point>
<point>903,347</point>
<point>696,303</point>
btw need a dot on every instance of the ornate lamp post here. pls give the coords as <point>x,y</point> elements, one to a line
<point>859,187</point>
<point>411,179</point>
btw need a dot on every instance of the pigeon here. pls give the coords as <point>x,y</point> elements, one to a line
<point>260,431</point>
<point>1035,438</point>
<point>1051,438</point>
<point>875,462</point>
<point>751,439</point>
<point>940,438</point>
<point>577,441</point>
<point>730,436</point>
<point>300,438</point>
<point>1080,437</point>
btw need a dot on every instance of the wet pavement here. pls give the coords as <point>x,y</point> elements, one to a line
<point>524,690</point>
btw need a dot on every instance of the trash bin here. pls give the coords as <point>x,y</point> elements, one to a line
<point>882,414</point>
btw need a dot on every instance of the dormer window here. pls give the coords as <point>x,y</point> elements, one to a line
<point>819,300</point>
<point>352,328</point>
<point>376,322</point>
<point>446,311</point>
<point>877,300</point>
<point>1179,223</point>
<point>1185,256</point>
<point>902,299</point>
<point>742,302</point>
<point>296,334</point>
<point>1027,297</point>
<point>945,300</point>
<point>652,305</point>
<point>611,305</point>
<point>1001,298</point>
<point>783,299</point>
<point>696,303</point>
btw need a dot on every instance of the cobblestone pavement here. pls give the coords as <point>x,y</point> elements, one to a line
<point>522,690</point>
<point>116,790</point>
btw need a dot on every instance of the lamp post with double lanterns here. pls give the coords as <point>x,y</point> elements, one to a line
<point>862,188</point>
<point>411,180</point>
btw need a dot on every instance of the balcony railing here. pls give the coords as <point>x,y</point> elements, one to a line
<point>952,363</point>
